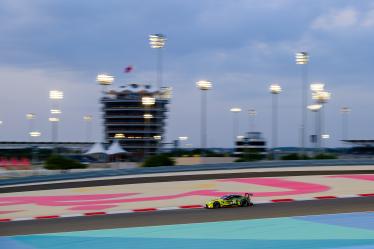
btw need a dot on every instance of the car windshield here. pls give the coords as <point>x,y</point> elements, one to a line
<point>226,197</point>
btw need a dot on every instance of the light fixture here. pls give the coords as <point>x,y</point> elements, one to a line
<point>157,40</point>
<point>56,94</point>
<point>148,116</point>
<point>317,87</point>
<point>302,58</point>
<point>275,88</point>
<point>55,111</point>
<point>204,84</point>
<point>30,116</point>
<point>35,134</point>
<point>235,109</point>
<point>104,79</point>
<point>87,118</point>
<point>119,136</point>
<point>314,107</point>
<point>54,119</point>
<point>146,100</point>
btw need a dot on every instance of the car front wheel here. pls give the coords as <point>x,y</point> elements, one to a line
<point>216,205</point>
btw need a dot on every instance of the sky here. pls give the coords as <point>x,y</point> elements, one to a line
<point>242,46</point>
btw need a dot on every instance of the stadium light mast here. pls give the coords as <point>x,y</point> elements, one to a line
<point>55,96</point>
<point>235,128</point>
<point>302,58</point>
<point>345,111</point>
<point>321,97</point>
<point>275,90</point>
<point>30,117</point>
<point>204,86</point>
<point>157,41</point>
<point>104,80</point>
<point>88,120</point>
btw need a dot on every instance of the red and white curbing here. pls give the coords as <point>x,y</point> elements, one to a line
<point>46,217</point>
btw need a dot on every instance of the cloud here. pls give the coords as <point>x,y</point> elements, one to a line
<point>337,19</point>
<point>368,20</point>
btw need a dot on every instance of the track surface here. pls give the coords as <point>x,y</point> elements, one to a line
<point>188,216</point>
<point>122,181</point>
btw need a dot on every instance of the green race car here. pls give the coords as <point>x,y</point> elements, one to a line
<point>232,200</point>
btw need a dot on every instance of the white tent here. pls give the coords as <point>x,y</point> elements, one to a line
<point>115,148</point>
<point>97,148</point>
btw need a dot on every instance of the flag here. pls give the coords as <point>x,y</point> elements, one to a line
<point>128,69</point>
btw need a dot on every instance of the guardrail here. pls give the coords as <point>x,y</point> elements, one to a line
<point>93,173</point>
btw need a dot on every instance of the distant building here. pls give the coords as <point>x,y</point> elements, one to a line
<point>139,128</point>
<point>252,142</point>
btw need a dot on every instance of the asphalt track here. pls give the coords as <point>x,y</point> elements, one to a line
<point>150,179</point>
<point>188,216</point>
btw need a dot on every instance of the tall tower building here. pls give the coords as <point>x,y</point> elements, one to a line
<point>135,115</point>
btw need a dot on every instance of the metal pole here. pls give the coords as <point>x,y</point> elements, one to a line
<point>235,125</point>
<point>319,129</point>
<point>88,131</point>
<point>304,106</point>
<point>31,128</point>
<point>54,134</point>
<point>322,130</point>
<point>159,85</point>
<point>159,68</point>
<point>203,119</point>
<point>344,125</point>
<point>274,122</point>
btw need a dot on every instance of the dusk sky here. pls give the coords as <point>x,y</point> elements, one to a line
<point>242,46</point>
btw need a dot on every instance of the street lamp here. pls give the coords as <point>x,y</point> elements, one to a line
<point>235,111</point>
<point>104,80</point>
<point>275,89</point>
<point>302,58</point>
<point>345,113</point>
<point>252,113</point>
<point>157,41</point>
<point>204,86</point>
<point>30,117</point>
<point>88,120</point>
<point>147,101</point>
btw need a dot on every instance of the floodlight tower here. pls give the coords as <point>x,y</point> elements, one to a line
<point>204,86</point>
<point>55,96</point>
<point>235,111</point>
<point>302,58</point>
<point>157,41</point>
<point>275,90</point>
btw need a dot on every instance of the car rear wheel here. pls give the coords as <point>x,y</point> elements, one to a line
<point>244,203</point>
<point>216,205</point>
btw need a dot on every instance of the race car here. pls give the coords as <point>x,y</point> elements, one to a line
<point>233,200</point>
